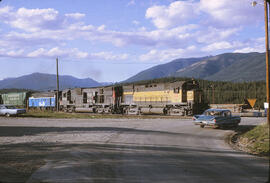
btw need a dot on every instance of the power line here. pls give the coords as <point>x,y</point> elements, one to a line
<point>91,62</point>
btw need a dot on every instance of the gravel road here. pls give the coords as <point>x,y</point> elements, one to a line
<point>122,150</point>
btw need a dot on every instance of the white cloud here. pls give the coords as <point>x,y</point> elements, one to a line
<point>33,20</point>
<point>253,45</point>
<point>101,28</point>
<point>12,53</point>
<point>74,53</point>
<point>209,12</point>
<point>108,56</point>
<point>75,15</point>
<point>177,13</point>
<point>131,3</point>
<point>231,13</point>
<point>63,53</point>
<point>5,12</point>
<point>217,46</point>
<point>247,50</point>
<point>212,34</point>
<point>167,55</point>
<point>17,53</point>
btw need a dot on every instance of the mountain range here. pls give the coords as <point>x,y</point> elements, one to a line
<point>44,82</point>
<point>235,67</point>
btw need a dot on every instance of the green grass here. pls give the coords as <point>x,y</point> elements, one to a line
<point>257,139</point>
<point>63,115</point>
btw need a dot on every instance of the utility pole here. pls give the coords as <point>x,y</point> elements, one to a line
<point>212,89</point>
<point>57,85</point>
<point>266,2</point>
<point>213,96</point>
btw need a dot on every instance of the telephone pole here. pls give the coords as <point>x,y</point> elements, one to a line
<point>266,2</point>
<point>57,85</point>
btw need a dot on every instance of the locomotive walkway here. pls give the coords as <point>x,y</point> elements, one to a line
<point>132,150</point>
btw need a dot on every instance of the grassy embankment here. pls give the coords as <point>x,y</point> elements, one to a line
<point>255,140</point>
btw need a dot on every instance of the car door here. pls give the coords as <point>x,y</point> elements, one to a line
<point>230,119</point>
<point>224,118</point>
<point>2,110</point>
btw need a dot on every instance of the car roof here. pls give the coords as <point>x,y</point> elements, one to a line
<point>218,110</point>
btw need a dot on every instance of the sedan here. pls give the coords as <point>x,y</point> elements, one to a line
<point>216,118</point>
<point>7,110</point>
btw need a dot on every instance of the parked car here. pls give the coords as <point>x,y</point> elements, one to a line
<point>8,110</point>
<point>217,118</point>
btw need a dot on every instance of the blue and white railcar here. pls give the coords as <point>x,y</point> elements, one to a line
<point>41,102</point>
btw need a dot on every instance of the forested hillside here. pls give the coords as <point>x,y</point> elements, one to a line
<point>236,67</point>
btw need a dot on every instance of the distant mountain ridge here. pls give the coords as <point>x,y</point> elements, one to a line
<point>163,70</point>
<point>44,82</point>
<point>236,67</point>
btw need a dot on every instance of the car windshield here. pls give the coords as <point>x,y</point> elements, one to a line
<point>213,113</point>
<point>10,107</point>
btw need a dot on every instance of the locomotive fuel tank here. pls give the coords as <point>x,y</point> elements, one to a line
<point>148,110</point>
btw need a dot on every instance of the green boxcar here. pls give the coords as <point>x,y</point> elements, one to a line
<point>16,99</point>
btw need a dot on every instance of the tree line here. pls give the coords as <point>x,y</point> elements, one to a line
<point>221,92</point>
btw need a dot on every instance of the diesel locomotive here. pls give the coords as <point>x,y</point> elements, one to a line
<point>176,98</point>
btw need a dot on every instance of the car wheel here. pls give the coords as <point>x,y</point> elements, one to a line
<point>202,126</point>
<point>7,115</point>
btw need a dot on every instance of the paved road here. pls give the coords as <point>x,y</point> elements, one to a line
<point>133,150</point>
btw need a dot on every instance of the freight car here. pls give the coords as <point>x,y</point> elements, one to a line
<point>42,100</point>
<point>18,99</point>
<point>177,98</point>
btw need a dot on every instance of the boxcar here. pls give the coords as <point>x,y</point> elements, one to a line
<point>42,100</point>
<point>16,99</point>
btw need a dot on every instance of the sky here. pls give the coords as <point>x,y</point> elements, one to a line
<point>112,40</point>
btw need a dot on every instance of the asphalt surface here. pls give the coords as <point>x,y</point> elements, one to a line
<point>129,150</point>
